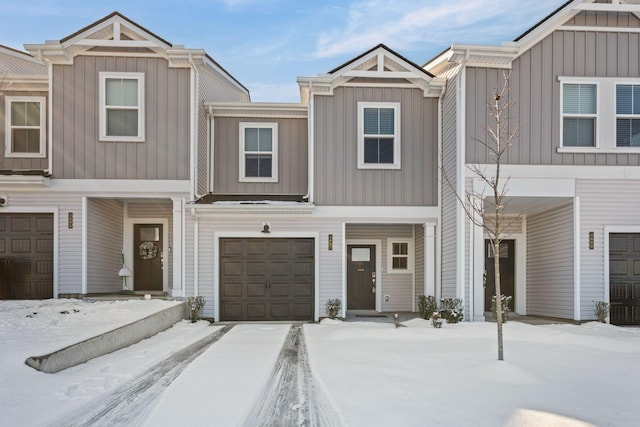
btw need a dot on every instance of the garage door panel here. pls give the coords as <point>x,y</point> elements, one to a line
<point>618,267</point>
<point>636,268</point>
<point>232,311</point>
<point>231,268</point>
<point>275,262</point>
<point>44,246</point>
<point>21,246</point>
<point>231,290</point>
<point>3,245</point>
<point>21,223</point>
<point>43,266</point>
<point>43,225</point>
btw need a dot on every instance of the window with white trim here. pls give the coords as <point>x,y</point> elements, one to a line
<point>25,126</point>
<point>579,114</point>
<point>399,255</point>
<point>627,115</point>
<point>122,107</point>
<point>258,152</point>
<point>378,135</point>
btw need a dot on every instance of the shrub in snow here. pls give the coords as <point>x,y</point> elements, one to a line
<point>196,304</point>
<point>602,310</point>
<point>451,309</point>
<point>427,305</point>
<point>436,319</point>
<point>505,300</point>
<point>333,307</point>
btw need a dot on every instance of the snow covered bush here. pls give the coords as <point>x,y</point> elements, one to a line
<point>436,319</point>
<point>602,310</point>
<point>451,309</point>
<point>505,300</point>
<point>333,307</point>
<point>196,304</point>
<point>427,305</point>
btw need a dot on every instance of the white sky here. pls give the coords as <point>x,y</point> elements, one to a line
<point>266,44</point>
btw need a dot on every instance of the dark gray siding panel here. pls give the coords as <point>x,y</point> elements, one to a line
<point>77,151</point>
<point>535,93</point>
<point>11,162</point>
<point>338,181</point>
<point>292,157</point>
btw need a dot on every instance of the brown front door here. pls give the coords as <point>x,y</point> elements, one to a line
<point>507,271</point>
<point>26,256</point>
<point>361,277</point>
<point>624,278</point>
<point>148,257</point>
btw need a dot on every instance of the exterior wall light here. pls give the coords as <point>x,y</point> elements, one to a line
<point>591,240</point>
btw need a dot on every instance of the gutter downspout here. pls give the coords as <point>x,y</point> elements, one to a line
<point>460,184</point>
<point>438,248</point>
<point>50,119</point>
<point>311,146</point>
<point>193,132</point>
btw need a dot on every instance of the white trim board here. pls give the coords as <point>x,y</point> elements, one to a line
<point>378,245</point>
<point>127,249</point>
<point>547,172</point>
<point>273,235</point>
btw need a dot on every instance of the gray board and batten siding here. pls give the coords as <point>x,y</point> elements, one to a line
<point>535,90</point>
<point>77,151</point>
<point>292,157</point>
<point>18,163</point>
<point>339,182</point>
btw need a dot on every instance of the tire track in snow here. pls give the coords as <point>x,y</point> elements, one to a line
<point>129,404</point>
<point>292,396</point>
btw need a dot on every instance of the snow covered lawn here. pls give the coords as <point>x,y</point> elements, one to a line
<point>375,374</point>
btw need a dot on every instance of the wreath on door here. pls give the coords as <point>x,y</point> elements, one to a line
<point>148,250</point>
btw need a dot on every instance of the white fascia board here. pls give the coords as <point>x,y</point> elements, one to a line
<point>24,180</point>
<point>532,187</point>
<point>409,214</point>
<point>146,188</point>
<point>566,171</point>
<point>239,109</point>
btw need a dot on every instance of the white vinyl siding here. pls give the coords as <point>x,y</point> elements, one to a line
<point>379,135</point>
<point>419,263</point>
<point>122,107</point>
<point>104,245</point>
<point>25,126</point>
<point>550,263</point>
<point>258,152</point>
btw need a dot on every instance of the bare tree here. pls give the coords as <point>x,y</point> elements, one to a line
<point>486,208</point>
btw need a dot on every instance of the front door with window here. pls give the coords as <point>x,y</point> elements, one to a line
<point>507,271</point>
<point>361,277</point>
<point>148,257</point>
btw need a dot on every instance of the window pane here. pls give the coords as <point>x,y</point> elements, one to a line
<point>386,150</point>
<point>624,100</point>
<point>371,150</point>
<point>33,113</point>
<point>628,133</point>
<point>251,139</point>
<point>264,162</point>
<point>378,150</point>
<point>400,248</point>
<point>122,92</point>
<point>370,121</point>
<point>400,263</point>
<point>265,139</point>
<point>258,166</point>
<point>25,140</point>
<point>386,121</point>
<point>122,122</point>
<point>149,234</point>
<point>578,132</point>
<point>636,99</point>
<point>635,133</point>
<point>360,254</point>
<point>579,99</point>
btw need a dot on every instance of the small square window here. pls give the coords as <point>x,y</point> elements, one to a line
<point>258,152</point>
<point>121,107</point>
<point>399,255</point>
<point>378,135</point>
<point>25,126</point>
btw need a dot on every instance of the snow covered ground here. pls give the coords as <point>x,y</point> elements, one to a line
<point>374,374</point>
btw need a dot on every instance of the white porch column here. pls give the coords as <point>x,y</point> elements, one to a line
<point>177,289</point>
<point>430,259</point>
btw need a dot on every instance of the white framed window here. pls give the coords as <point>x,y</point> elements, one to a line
<point>399,255</point>
<point>25,126</point>
<point>379,135</point>
<point>122,107</point>
<point>579,114</point>
<point>258,152</point>
<point>627,115</point>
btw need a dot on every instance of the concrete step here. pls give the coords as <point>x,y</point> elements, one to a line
<point>108,342</point>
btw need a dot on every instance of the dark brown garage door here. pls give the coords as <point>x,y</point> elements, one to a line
<point>26,256</point>
<point>266,279</point>
<point>624,278</point>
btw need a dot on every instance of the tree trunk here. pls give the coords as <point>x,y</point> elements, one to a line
<point>498,304</point>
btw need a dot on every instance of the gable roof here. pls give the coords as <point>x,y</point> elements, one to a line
<point>382,46</point>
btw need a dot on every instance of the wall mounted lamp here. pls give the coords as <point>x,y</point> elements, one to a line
<point>591,240</point>
<point>265,228</point>
<point>330,242</point>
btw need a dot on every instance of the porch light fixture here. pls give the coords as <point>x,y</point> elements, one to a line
<point>265,228</point>
<point>70,220</point>
<point>330,242</point>
<point>591,242</point>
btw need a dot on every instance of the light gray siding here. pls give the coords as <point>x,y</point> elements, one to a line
<point>418,231</point>
<point>292,157</point>
<point>77,151</point>
<point>398,286</point>
<point>338,181</point>
<point>605,19</point>
<point>603,203</point>
<point>449,246</point>
<point>550,263</point>
<point>13,163</point>
<point>535,91</point>
<point>104,245</point>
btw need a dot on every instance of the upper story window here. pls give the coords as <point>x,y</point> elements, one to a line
<point>379,135</point>
<point>121,106</point>
<point>627,115</point>
<point>258,152</point>
<point>25,126</point>
<point>579,110</point>
<point>399,253</point>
